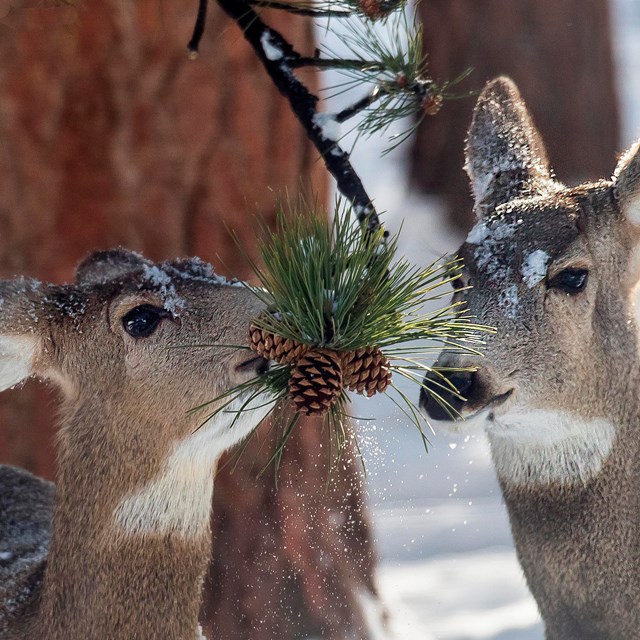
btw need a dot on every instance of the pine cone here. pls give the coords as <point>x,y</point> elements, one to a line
<point>366,371</point>
<point>432,104</point>
<point>274,347</point>
<point>373,9</point>
<point>316,382</point>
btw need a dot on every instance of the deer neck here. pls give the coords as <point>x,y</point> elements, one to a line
<point>583,488</point>
<point>130,541</point>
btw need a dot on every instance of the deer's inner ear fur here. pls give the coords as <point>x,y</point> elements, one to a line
<point>17,357</point>
<point>104,266</point>
<point>626,180</point>
<point>505,156</point>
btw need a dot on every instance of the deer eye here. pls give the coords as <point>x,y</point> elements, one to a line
<point>570,281</point>
<point>142,321</point>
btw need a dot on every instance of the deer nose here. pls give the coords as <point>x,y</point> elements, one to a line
<point>438,398</point>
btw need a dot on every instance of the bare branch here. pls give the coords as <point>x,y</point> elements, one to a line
<point>279,59</point>
<point>198,28</point>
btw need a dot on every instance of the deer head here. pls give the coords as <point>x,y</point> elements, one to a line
<point>554,270</point>
<point>125,346</point>
<point>132,347</point>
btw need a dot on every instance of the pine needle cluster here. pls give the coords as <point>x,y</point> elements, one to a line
<point>389,59</point>
<point>327,284</point>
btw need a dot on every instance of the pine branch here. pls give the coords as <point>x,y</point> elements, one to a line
<point>279,58</point>
<point>360,105</point>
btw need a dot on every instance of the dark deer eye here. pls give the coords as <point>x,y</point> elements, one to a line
<point>570,281</point>
<point>142,321</point>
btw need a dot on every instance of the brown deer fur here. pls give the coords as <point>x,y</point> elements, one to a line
<point>129,542</point>
<point>557,387</point>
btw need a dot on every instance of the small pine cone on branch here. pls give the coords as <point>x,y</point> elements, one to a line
<point>274,347</point>
<point>366,371</point>
<point>373,9</point>
<point>316,382</point>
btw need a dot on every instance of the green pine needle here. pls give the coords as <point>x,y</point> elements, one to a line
<point>394,66</point>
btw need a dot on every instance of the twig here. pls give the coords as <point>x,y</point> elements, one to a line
<point>198,29</point>
<point>337,63</point>
<point>360,105</point>
<point>279,58</point>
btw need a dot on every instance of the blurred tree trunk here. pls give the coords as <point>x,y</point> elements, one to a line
<point>110,136</point>
<point>559,54</point>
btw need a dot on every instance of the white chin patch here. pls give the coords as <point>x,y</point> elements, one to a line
<point>475,423</point>
<point>16,359</point>
<point>538,446</point>
<point>179,501</point>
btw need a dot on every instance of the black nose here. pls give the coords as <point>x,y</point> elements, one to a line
<point>445,393</point>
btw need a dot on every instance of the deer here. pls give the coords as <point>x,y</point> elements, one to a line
<point>554,269</point>
<point>119,546</point>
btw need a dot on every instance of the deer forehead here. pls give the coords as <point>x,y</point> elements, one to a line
<point>522,237</point>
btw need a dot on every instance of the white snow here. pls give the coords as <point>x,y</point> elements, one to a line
<point>328,125</point>
<point>199,634</point>
<point>272,51</point>
<point>534,267</point>
<point>509,300</point>
<point>6,555</point>
<point>201,271</point>
<point>479,233</point>
<point>159,279</point>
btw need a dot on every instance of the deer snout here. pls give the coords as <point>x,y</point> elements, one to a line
<point>248,365</point>
<point>445,393</point>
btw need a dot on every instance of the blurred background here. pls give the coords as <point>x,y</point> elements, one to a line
<point>110,136</point>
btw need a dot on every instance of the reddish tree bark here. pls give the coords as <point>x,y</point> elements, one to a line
<point>109,136</point>
<point>560,55</point>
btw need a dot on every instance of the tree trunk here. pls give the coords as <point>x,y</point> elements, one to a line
<point>559,53</point>
<point>110,136</point>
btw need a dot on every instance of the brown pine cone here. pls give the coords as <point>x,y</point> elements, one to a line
<point>316,382</point>
<point>366,371</point>
<point>432,104</point>
<point>274,347</point>
<point>373,9</point>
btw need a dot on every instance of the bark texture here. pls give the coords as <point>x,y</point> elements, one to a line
<point>559,54</point>
<point>110,136</point>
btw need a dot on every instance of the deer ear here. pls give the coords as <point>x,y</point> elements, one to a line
<point>17,356</point>
<point>626,180</point>
<point>104,266</point>
<point>20,309</point>
<point>505,156</point>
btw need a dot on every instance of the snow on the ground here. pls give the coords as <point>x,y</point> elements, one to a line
<point>448,568</point>
<point>477,595</point>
